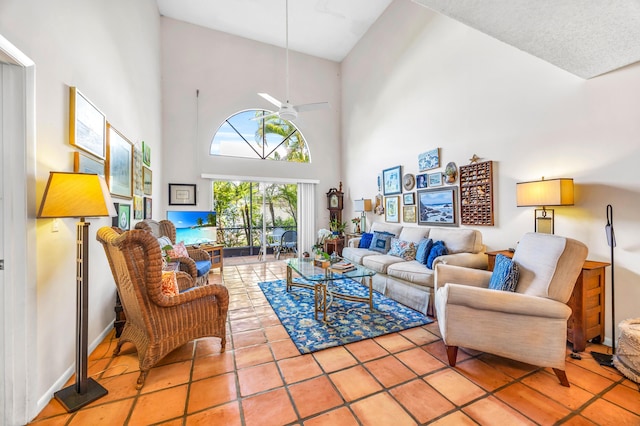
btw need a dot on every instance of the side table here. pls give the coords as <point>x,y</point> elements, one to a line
<point>586,302</point>
<point>215,251</point>
<point>336,244</point>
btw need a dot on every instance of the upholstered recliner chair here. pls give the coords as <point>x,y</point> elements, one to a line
<point>198,264</point>
<point>158,323</point>
<point>529,324</point>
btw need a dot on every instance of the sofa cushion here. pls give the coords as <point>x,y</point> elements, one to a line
<point>356,255</point>
<point>505,274</point>
<point>381,242</point>
<point>391,228</point>
<point>365,240</point>
<point>169,284</point>
<point>456,240</point>
<point>413,272</point>
<point>403,249</point>
<point>413,234</point>
<point>380,262</point>
<point>424,247</point>
<point>178,250</point>
<point>203,267</point>
<point>438,249</point>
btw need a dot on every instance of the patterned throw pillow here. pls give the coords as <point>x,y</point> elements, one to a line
<point>169,284</point>
<point>505,274</point>
<point>365,240</point>
<point>179,250</point>
<point>424,247</point>
<point>381,242</point>
<point>438,249</point>
<point>403,249</point>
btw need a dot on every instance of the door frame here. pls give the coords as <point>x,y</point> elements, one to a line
<point>18,393</point>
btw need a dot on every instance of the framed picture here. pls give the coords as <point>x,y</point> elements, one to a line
<point>421,181</point>
<point>408,198</point>
<point>146,154</point>
<point>429,160</point>
<point>86,124</point>
<point>434,179</point>
<point>123,219</point>
<point>392,209</point>
<point>138,208</point>
<point>181,194</point>
<point>438,206</point>
<point>120,161</point>
<point>148,205</point>
<point>392,180</point>
<point>137,172</point>
<point>409,214</point>
<point>147,180</point>
<point>83,163</point>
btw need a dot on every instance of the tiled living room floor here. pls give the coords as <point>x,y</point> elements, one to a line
<point>397,379</point>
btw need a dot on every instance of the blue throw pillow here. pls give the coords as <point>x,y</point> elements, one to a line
<point>438,249</point>
<point>381,242</point>
<point>424,247</point>
<point>365,240</point>
<point>505,274</point>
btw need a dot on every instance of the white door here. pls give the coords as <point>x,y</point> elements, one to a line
<point>2,219</point>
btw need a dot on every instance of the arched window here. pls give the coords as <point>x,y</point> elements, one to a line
<point>246,134</point>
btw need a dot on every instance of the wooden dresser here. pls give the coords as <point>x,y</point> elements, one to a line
<point>586,302</point>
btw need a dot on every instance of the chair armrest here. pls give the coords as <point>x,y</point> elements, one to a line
<point>446,273</point>
<point>188,266</point>
<point>503,301</point>
<point>354,242</point>
<point>198,254</point>
<point>218,291</point>
<point>185,280</point>
<point>469,260</point>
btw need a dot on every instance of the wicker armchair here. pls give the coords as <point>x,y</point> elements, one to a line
<point>195,265</point>
<point>157,324</point>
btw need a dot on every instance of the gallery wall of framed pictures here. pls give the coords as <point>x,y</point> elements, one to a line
<point>440,194</point>
<point>103,149</point>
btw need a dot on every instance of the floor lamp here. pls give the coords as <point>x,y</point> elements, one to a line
<point>78,195</point>
<point>607,359</point>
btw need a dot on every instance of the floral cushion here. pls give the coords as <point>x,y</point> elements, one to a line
<point>169,284</point>
<point>179,250</point>
<point>403,249</point>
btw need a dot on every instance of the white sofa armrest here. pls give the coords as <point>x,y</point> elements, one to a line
<point>354,242</point>
<point>468,260</point>
<point>445,273</point>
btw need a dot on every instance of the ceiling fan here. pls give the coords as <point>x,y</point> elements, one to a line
<point>286,110</point>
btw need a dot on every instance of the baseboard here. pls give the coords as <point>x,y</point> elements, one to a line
<point>59,384</point>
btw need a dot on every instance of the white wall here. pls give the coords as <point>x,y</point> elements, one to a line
<point>229,71</point>
<point>110,51</point>
<point>433,82</point>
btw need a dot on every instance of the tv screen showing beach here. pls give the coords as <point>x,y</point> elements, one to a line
<point>194,227</point>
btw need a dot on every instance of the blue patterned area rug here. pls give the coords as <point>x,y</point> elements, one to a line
<point>346,321</point>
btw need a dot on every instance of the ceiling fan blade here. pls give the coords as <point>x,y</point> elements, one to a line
<point>311,107</point>
<point>271,99</point>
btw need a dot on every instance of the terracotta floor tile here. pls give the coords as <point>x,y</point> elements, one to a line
<point>578,421</point>
<point>533,404</point>
<point>52,409</point>
<point>438,350</point>
<point>366,350</point>
<point>421,400</point>
<point>259,378</point>
<point>272,408</point>
<point>420,361</point>
<point>455,419</point>
<point>493,411</point>
<point>227,415</point>
<point>211,346</point>
<point>625,397</point>
<point>269,320</point>
<point>119,387</point>
<point>334,359</point>
<point>585,378</point>
<point>354,383</point>
<point>284,349</point>
<point>339,417</point>
<point>105,348</point>
<point>299,368</point>
<point>389,371</point>
<point>211,392</point>
<point>245,324</point>
<point>314,396</point>
<point>587,362</point>
<point>605,413</point>
<point>572,397</point>
<point>159,406</point>
<point>482,374</point>
<point>394,342</point>
<point>419,335</point>
<point>114,413</point>
<point>511,368</point>
<point>253,355</point>
<point>248,338</point>
<point>381,409</point>
<point>275,333</point>
<point>183,353</point>
<point>167,376</point>
<point>454,386</point>
<point>60,420</point>
<point>213,365</point>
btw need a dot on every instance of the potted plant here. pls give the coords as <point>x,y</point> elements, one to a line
<point>337,227</point>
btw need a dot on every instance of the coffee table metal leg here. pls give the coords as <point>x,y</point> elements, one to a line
<point>370,294</point>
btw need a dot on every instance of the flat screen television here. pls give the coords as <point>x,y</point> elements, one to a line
<point>194,227</point>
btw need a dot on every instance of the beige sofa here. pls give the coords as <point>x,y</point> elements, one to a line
<point>410,282</point>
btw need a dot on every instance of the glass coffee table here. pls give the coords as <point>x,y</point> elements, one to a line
<point>318,279</point>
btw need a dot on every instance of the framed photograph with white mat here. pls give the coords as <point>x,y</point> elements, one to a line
<point>182,194</point>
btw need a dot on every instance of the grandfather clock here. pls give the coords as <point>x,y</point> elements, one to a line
<point>334,204</point>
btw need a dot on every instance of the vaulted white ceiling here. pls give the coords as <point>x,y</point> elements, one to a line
<point>584,37</point>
